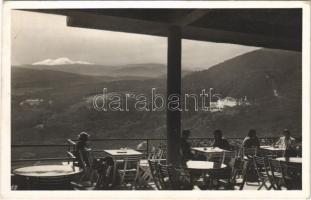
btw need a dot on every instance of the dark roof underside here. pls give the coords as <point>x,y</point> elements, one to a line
<point>272,28</point>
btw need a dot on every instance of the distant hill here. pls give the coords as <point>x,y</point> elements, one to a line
<point>271,80</point>
<point>260,74</point>
<point>149,70</point>
<point>26,77</point>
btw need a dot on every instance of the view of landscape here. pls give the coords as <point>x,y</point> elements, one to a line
<point>52,101</point>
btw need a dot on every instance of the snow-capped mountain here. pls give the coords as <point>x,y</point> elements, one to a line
<point>60,61</point>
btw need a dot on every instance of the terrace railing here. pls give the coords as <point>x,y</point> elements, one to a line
<point>57,152</point>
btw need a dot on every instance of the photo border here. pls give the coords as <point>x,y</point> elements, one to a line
<point>5,134</point>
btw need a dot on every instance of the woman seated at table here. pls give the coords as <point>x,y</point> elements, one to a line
<point>219,141</point>
<point>287,142</point>
<point>251,140</point>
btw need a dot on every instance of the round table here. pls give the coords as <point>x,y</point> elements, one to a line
<point>47,171</point>
<point>46,175</point>
<point>295,160</point>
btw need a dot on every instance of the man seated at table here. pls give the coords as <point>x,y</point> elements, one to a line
<point>287,142</point>
<point>219,141</point>
<point>251,140</point>
<point>186,152</point>
<point>186,146</point>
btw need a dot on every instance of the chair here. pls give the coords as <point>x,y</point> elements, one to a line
<point>71,158</point>
<point>155,173</point>
<point>239,173</point>
<point>219,175</point>
<point>86,161</point>
<point>217,158</point>
<point>159,156</point>
<point>277,174</point>
<point>173,179</point>
<point>165,176</point>
<point>104,180</point>
<point>247,153</point>
<point>130,171</point>
<point>261,168</point>
<point>229,155</point>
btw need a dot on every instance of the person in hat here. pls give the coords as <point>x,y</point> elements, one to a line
<point>81,149</point>
<point>287,142</point>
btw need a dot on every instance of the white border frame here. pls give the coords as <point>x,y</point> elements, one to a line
<point>5,145</point>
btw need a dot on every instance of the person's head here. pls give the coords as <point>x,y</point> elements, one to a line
<point>286,133</point>
<point>252,133</point>
<point>83,136</point>
<point>186,133</point>
<point>217,134</point>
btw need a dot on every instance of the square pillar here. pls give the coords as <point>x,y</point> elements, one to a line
<point>173,117</point>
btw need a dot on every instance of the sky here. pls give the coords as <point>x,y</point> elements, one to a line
<point>37,36</point>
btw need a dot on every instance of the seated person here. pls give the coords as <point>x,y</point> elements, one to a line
<point>219,141</point>
<point>186,146</point>
<point>287,142</point>
<point>81,148</point>
<point>251,140</point>
<point>186,152</point>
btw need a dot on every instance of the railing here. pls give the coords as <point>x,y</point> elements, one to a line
<point>199,141</point>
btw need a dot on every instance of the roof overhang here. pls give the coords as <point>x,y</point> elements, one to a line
<point>271,28</point>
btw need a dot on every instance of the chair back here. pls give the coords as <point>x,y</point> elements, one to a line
<point>167,176</point>
<point>131,169</point>
<point>71,149</point>
<point>220,173</point>
<point>155,173</point>
<point>261,166</point>
<point>276,173</point>
<point>86,158</point>
<point>247,152</point>
<point>159,156</point>
<point>217,158</point>
<point>229,155</point>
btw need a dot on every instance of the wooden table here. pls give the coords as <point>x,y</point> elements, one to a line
<point>209,151</point>
<point>120,154</point>
<point>46,173</point>
<point>274,150</point>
